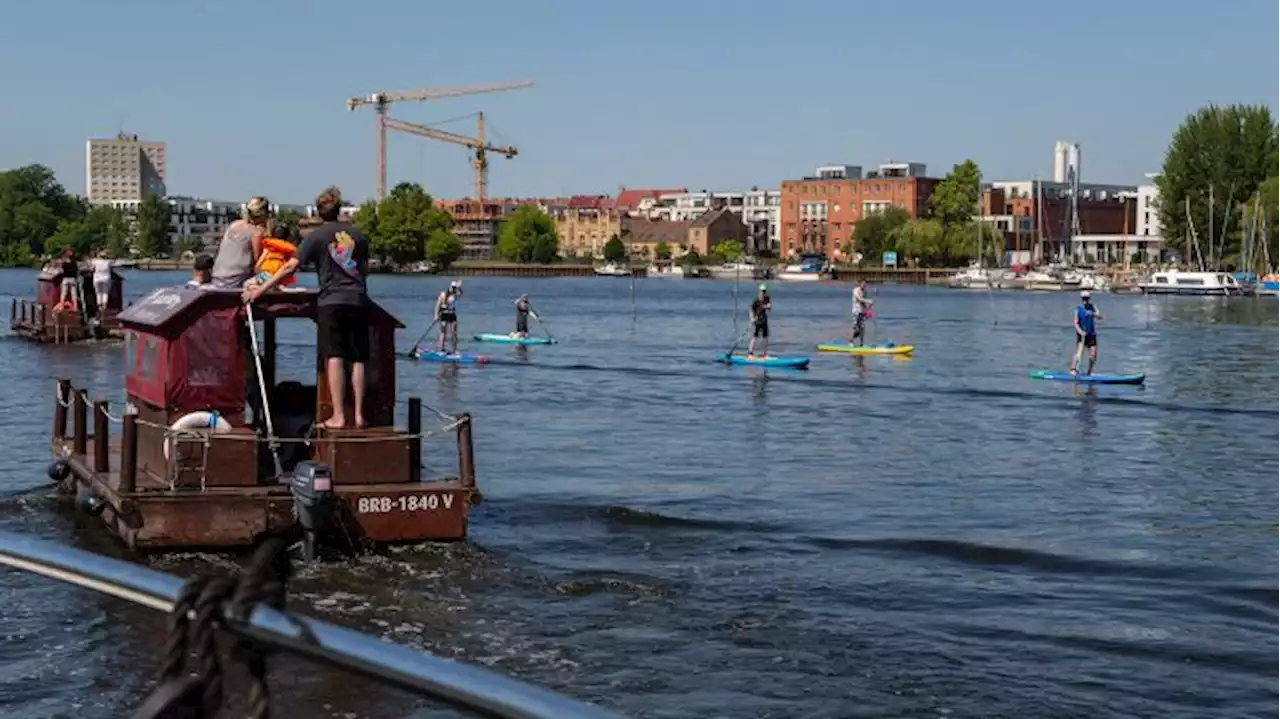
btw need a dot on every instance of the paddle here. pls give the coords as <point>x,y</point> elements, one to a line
<point>538,319</point>
<point>737,341</point>
<point>425,332</point>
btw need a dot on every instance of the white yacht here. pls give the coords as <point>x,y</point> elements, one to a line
<point>1174,282</point>
<point>613,269</point>
<point>666,270</point>
<point>975,277</point>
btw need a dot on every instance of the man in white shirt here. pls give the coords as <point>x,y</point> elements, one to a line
<point>861,310</point>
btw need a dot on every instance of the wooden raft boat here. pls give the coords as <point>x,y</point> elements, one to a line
<point>190,468</point>
<point>41,319</point>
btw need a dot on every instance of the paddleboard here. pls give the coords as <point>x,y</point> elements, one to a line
<point>796,362</point>
<point>514,340</point>
<point>1089,378</point>
<point>881,350</point>
<point>460,358</point>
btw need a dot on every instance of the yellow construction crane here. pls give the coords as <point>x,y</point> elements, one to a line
<point>380,100</point>
<point>479,162</point>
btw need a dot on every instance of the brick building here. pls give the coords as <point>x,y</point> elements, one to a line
<point>1037,224</point>
<point>818,213</point>
<point>643,235</point>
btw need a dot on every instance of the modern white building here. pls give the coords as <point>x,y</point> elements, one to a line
<point>1066,161</point>
<point>1088,191</point>
<point>759,209</point>
<point>1148,197</point>
<point>1116,249</point>
<point>193,218</point>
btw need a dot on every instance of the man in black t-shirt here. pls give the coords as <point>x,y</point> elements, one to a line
<point>340,255</point>
<point>760,322</point>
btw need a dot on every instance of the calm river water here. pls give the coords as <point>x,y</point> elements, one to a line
<point>670,537</point>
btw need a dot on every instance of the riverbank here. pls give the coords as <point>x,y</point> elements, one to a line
<point>487,268</point>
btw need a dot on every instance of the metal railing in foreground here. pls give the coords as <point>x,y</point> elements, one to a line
<point>454,683</point>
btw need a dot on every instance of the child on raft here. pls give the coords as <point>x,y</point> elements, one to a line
<point>277,249</point>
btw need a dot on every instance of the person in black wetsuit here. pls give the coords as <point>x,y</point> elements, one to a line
<point>760,308</point>
<point>524,308</point>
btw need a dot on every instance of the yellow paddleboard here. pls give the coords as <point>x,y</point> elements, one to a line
<point>851,349</point>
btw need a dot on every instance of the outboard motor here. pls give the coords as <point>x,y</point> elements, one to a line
<point>313,501</point>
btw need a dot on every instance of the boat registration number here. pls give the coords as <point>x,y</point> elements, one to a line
<point>404,503</point>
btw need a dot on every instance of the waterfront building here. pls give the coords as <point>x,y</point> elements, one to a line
<point>817,213</point>
<point>758,209</point>
<point>124,169</point>
<point>585,224</point>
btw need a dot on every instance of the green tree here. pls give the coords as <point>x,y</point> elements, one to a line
<point>614,250</point>
<point>873,234</point>
<point>151,227</point>
<point>1231,149</point>
<point>32,206</point>
<point>922,239</point>
<point>970,240</point>
<point>291,219</point>
<point>955,199</point>
<point>528,235</point>
<point>691,258</point>
<point>443,248</point>
<point>406,219</point>
<point>366,220</point>
<point>727,250</point>
<point>662,250</point>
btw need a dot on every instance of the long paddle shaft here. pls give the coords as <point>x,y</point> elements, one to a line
<point>538,319</point>
<point>262,387</point>
<point>423,337</point>
<point>741,336</point>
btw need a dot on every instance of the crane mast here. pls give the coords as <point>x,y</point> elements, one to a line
<point>380,101</point>
<point>479,162</point>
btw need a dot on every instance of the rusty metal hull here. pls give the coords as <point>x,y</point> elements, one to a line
<point>153,517</point>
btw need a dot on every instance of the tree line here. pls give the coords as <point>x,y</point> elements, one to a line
<point>40,219</point>
<point>1220,172</point>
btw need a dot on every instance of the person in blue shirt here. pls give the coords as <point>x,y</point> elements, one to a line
<point>1086,333</point>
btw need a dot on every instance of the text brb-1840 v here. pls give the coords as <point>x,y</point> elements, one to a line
<point>404,503</point>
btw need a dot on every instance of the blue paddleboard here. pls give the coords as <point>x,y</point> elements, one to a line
<point>1089,378</point>
<point>460,358</point>
<point>795,362</point>
<point>513,339</point>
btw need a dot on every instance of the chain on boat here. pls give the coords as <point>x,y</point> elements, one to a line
<point>249,607</point>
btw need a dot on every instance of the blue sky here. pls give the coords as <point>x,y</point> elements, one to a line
<point>699,94</point>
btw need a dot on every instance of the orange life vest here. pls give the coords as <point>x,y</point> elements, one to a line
<point>274,254</point>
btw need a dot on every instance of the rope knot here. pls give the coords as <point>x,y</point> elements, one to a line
<point>192,677</point>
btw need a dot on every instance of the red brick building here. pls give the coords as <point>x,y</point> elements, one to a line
<point>818,213</point>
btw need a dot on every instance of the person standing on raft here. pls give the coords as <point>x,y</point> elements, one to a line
<point>1086,333</point>
<point>340,254</point>
<point>524,308</point>
<point>861,311</point>
<point>447,315</point>
<point>760,309</point>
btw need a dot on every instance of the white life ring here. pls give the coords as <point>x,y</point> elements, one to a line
<point>201,420</point>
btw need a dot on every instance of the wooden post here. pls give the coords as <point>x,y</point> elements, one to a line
<point>466,454</point>
<point>101,435</point>
<point>80,423</point>
<point>128,454</point>
<point>13,310</point>
<point>63,393</point>
<point>415,441</point>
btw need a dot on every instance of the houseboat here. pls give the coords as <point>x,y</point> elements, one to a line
<point>47,319</point>
<point>212,452</point>
<point>1174,282</point>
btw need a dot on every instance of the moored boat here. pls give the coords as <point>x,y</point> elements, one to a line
<point>189,468</point>
<point>48,319</point>
<point>613,269</point>
<point>1175,282</point>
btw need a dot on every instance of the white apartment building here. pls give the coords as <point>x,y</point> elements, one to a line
<point>192,218</point>
<point>760,211</point>
<point>1088,191</point>
<point>1148,197</point>
<point>123,168</point>
<point>1066,162</point>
